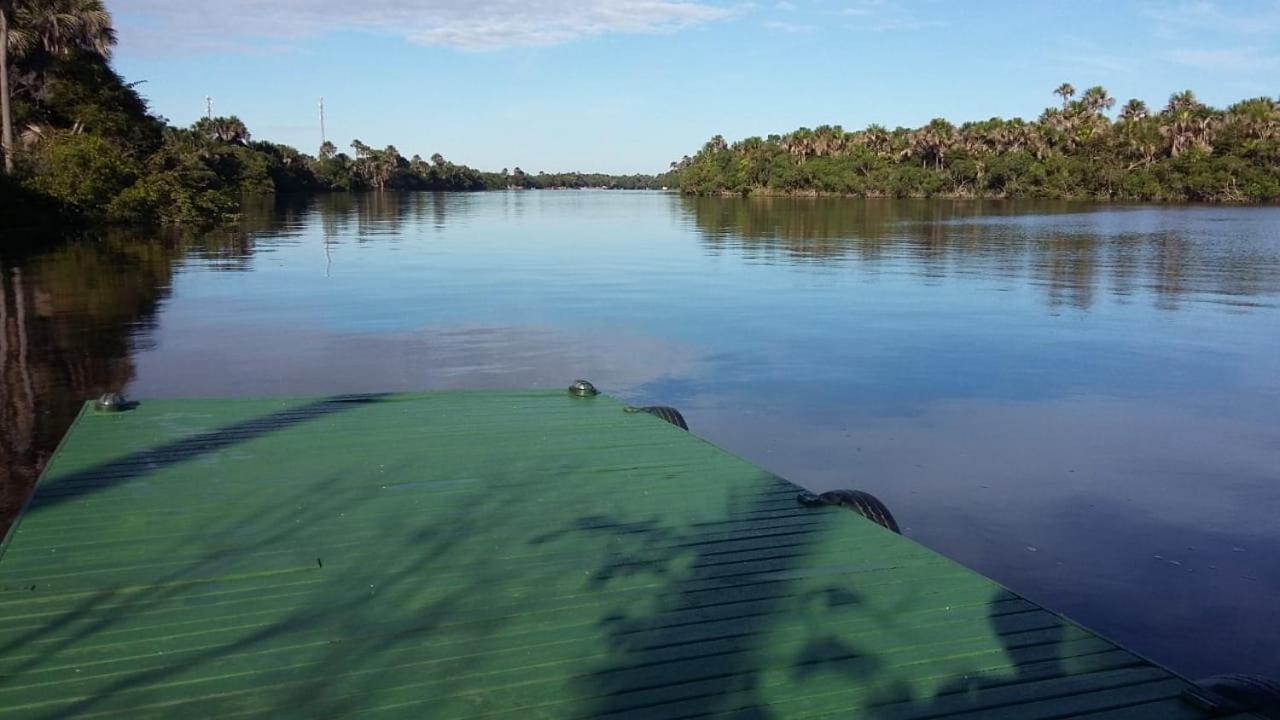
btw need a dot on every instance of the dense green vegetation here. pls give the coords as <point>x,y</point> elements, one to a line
<point>1186,151</point>
<point>80,142</point>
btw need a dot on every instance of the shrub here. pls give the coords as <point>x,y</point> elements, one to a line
<point>84,172</point>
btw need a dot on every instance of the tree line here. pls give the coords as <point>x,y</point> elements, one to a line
<point>79,141</point>
<point>1184,151</point>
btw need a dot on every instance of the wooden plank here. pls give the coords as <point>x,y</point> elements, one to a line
<point>493,554</point>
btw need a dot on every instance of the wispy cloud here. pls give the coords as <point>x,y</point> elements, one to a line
<point>787,27</point>
<point>1233,39</point>
<point>1085,59</point>
<point>1111,64</point>
<point>1229,60</point>
<point>462,24</point>
<point>1204,15</point>
<point>883,15</point>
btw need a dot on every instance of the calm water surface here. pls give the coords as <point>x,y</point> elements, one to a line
<point>1082,402</point>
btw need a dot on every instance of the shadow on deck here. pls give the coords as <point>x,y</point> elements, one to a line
<point>476,598</point>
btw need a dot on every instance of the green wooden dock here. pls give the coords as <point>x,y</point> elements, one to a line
<point>496,555</point>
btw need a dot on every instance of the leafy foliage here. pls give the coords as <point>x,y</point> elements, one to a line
<point>185,181</point>
<point>1186,152</point>
<point>83,172</point>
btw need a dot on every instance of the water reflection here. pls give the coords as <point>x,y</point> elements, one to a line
<point>1172,252</point>
<point>70,321</point>
<point>1108,377</point>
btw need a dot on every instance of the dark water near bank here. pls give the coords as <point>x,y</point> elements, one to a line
<point>1082,402</point>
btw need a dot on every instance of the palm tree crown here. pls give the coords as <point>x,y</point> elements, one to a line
<point>1066,91</point>
<point>60,28</point>
<point>1134,110</point>
<point>1096,99</point>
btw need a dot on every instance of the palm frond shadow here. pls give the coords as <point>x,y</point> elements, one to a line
<point>700,647</point>
<point>344,622</point>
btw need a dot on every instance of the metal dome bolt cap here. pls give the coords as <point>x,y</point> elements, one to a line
<point>110,402</point>
<point>583,388</point>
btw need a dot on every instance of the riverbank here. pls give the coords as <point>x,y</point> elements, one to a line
<point>1186,152</point>
<point>764,192</point>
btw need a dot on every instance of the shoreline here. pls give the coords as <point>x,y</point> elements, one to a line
<point>826,195</point>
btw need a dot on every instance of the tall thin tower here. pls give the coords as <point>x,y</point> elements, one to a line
<point>323,139</point>
<point>208,107</point>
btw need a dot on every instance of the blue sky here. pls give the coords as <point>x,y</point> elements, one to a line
<point>629,85</point>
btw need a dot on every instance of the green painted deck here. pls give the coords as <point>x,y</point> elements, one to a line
<point>497,555</point>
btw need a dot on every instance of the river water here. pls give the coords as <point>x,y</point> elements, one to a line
<point>1080,401</point>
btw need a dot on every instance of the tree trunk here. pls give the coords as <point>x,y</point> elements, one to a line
<point>6,114</point>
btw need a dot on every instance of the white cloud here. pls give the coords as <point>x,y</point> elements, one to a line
<point>463,24</point>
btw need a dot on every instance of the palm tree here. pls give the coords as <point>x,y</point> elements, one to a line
<point>1257,119</point>
<point>877,138</point>
<point>799,143</point>
<point>1012,135</point>
<point>1202,130</point>
<point>1186,124</point>
<point>6,113</point>
<point>822,140</point>
<point>932,142</point>
<point>377,166</point>
<point>1134,110</point>
<point>224,129</point>
<point>1184,101</point>
<point>1140,137</point>
<point>1058,127</point>
<point>58,28</point>
<point>1066,91</point>
<point>1096,99</point>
